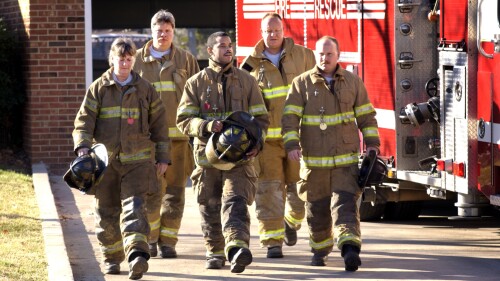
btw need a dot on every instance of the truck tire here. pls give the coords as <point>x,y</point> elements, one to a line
<point>406,210</point>
<point>367,212</point>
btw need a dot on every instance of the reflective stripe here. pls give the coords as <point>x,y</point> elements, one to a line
<point>321,245</point>
<point>336,119</point>
<point>293,221</point>
<point>130,113</point>
<point>331,161</point>
<point>110,112</point>
<point>274,133</point>
<point>91,104</point>
<point>164,86</point>
<point>174,132</point>
<point>140,155</point>
<point>135,237</point>
<point>111,249</point>
<point>189,110</point>
<point>234,243</point>
<point>162,146</point>
<point>258,109</point>
<point>274,234</point>
<point>155,106</point>
<point>169,232</point>
<point>348,237</point>
<point>276,92</point>
<point>154,225</point>
<point>293,109</point>
<point>219,254</point>
<point>364,109</point>
<point>370,132</point>
<point>290,136</point>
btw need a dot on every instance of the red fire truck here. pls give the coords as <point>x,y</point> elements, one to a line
<point>432,70</point>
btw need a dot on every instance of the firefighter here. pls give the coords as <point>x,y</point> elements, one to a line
<point>274,62</point>
<point>209,97</point>
<point>123,111</point>
<point>324,111</point>
<point>168,68</point>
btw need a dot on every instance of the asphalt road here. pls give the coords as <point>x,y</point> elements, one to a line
<point>431,248</point>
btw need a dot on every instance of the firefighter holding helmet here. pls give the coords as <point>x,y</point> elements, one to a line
<point>274,62</point>
<point>124,113</point>
<point>224,147</point>
<point>325,109</point>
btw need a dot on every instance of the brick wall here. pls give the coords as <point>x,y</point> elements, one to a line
<point>55,74</point>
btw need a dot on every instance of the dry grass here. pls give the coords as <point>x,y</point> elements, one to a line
<point>21,242</point>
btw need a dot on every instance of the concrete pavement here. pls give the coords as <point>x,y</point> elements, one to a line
<point>432,248</point>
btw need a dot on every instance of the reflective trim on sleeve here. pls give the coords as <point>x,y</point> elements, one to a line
<point>370,132</point>
<point>290,136</point>
<point>276,92</point>
<point>91,104</point>
<point>293,109</point>
<point>364,109</point>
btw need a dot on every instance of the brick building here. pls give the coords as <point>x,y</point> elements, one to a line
<point>53,36</point>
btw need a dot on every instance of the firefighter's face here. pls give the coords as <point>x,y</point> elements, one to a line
<point>327,55</point>
<point>163,34</point>
<point>222,51</point>
<point>272,33</point>
<point>122,65</point>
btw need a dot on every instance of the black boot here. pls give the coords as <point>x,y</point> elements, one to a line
<point>240,258</point>
<point>350,253</point>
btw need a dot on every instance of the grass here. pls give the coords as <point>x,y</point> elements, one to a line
<point>21,242</point>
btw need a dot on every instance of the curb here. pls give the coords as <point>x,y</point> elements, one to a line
<point>58,265</point>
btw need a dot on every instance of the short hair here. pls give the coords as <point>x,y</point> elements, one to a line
<point>330,38</point>
<point>272,15</point>
<point>213,37</point>
<point>162,16</point>
<point>121,47</point>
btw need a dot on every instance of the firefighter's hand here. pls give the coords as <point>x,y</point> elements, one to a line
<point>161,168</point>
<point>214,126</point>
<point>295,155</point>
<point>82,151</point>
<point>252,153</point>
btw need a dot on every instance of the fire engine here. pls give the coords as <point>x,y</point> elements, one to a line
<point>432,71</point>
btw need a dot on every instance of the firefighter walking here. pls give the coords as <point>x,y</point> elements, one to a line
<point>209,97</point>
<point>123,111</point>
<point>167,67</point>
<point>324,111</point>
<point>274,62</point>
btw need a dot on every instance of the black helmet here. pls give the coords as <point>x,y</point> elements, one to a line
<point>85,171</point>
<point>240,134</point>
<point>373,170</point>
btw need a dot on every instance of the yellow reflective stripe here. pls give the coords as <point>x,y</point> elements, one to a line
<point>215,115</point>
<point>175,132</point>
<point>202,161</point>
<point>321,245</point>
<point>293,109</point>
<point>164,86</point>
<point>364,109</point>
<point>110,112</point>
<point>219,254</point>
<point>234,243</point>
<point>154,225</point>
<point>91,104</point>
<point>336,119</point>
<point>348,237</point>
<point>169,232</point>
<point>370,132</point>
<point>259,109</point>
<point>135,237</point>
<point>155,106</point>
<point>273,234</point>
<point>111,249</point>
<point>330,162</point>
<point>140,155</point>
<point>274,133</point>
<point>130,112</point>
<point>162,146</point>
<point>290,136</point>
<point>293,221</point>
<point>276,92</point>
<point>189,110</point>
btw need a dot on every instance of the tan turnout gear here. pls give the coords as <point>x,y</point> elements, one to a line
<point>129,121</point>
<point>325,125</point>
<point>276,172</point>
<point>169,75</point>
<point>213,94</point>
